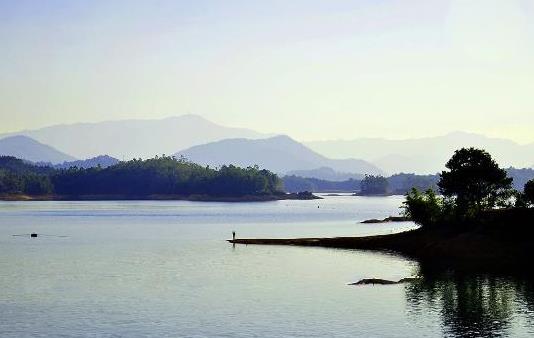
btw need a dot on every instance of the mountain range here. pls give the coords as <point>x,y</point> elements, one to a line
<point>209,143</point>
<point>280,154</point>
<point>127,139</point>
<point>424,155</point>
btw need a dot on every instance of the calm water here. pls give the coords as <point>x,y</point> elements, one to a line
<point>162,268</point>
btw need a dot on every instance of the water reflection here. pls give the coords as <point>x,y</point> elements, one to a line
<point>473,305</point>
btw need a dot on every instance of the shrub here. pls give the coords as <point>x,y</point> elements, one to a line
<point>425,209</point>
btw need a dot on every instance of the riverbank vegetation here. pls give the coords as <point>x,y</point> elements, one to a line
<point>472,187</point>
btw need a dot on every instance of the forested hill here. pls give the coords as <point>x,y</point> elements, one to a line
<point>157,176</point>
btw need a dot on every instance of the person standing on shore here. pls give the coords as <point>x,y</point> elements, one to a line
<point>233,235</point>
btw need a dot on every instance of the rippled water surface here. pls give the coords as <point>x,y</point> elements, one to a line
<point>163,268</point>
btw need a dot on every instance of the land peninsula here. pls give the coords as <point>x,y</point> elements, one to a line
<point>477,220</point>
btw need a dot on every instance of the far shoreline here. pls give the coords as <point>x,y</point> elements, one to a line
<point>158,197</point>
<point>357,194</point>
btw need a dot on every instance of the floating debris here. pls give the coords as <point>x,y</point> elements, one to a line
<point>34,235</point>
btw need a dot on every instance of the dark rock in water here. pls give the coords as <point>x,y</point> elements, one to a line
<point>373,281</point>
<point>379,281</point>
<point>372,221</point>
<point>387,220</point>
<point>33,234</point>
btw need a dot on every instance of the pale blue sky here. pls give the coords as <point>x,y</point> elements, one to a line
<point>311,69</point>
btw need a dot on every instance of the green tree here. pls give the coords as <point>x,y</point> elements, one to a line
<point>426,209</point>
<point>474,181</point>
<point>37,184</point>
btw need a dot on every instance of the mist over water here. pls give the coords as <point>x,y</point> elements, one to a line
<point>163,268</point>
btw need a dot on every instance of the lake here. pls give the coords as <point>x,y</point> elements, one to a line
<point>163,268</point>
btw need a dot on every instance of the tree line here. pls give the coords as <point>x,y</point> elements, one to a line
<point>157,176</point>
<point>397,184</point>
<point>400,184</point>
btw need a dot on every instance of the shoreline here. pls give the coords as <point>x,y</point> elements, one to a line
<point>460,253</point>
<point>158,197</point>
<point>489,248</point>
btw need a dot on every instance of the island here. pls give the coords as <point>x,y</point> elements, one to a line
<point>159,178</point>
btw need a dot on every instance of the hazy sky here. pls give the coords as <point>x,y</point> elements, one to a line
<point>312,69</point>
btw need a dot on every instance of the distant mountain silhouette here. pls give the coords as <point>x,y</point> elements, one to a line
<point>280,154</point>
<point>325,173</point>
<point>424,155</point>
<point>126,139</point>
<point>29,149</point>
<point>103,161</point>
